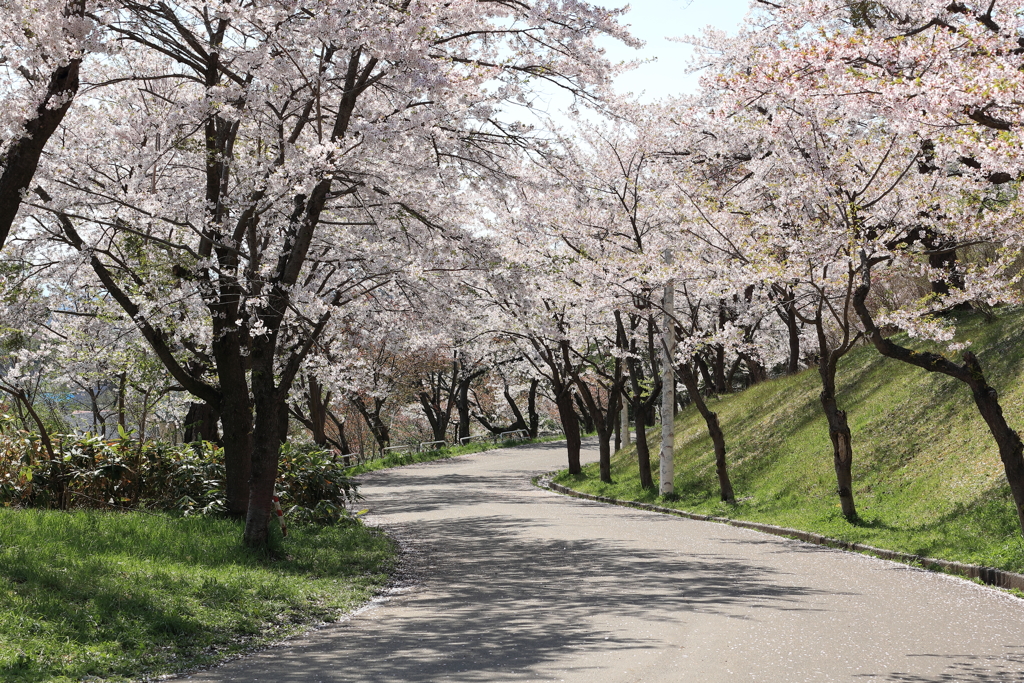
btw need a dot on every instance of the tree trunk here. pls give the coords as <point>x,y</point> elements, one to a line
<point>839,433</point>
<point>718,368</point>
<point>531,408</point>
<point>317,411</point>
<point>618,430</point>
<point>462,404</point>
<point>435,416</point>
<point>270,433</point>
<point>520,422</point>
<point>201,423</point>
<point>641,405</point>
<point>236,419</point>
<point>793,329</point>
<point>643,449</point>
<point>605,417</point>
<point>380,431</point>
<point>714,431</point>
<point>339,425</point>
<point>1011,449</point>
<point>121,388</point>
<point>756,371</point>
<point>22,158</point>
<point>585,418</point>
<point>570,426</point>
<point>624,427</point>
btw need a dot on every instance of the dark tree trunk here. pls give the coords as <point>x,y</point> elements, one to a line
<point>705,373</point>
<point>842,449</point>
<point>718,368</point>
<point>98,422</point>
<point>270,433</point>
<point>380,431</point>
<point>236,419</point>
<point>317,411</point>
<point>643,450</point>
<point>435,416</point>
<point>1011,449</point>
<point>642,406</point>
<point>756,371</point>
<point>618,431</point>
<point>339,425</point>
<point>585,418</point>
<point>793,328</point>
<point>520,422</point>
<point>22,158</point>
<point>838,428</point>
<point>122,387</point>
<point>531,408</point>
<point>201,423</point>
<point>570,426</point>
<point>714,431</point>
<point>605,419</point>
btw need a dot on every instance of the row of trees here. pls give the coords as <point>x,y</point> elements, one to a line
<point>286,208</point>
<point>849,170</point>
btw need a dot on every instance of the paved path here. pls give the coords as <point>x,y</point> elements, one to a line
<point>516,584</point>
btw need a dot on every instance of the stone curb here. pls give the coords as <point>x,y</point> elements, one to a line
<point>988,575</point>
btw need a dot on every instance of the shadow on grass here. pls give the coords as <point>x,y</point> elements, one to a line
<point>114,594</point>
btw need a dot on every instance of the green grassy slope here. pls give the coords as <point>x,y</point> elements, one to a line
<point>120,596</point>
<point>928,479</point>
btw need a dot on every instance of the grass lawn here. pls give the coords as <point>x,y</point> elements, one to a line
<point>122,595</point>
<point>927,475</point>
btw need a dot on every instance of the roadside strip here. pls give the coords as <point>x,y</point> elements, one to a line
<point>987,575</point>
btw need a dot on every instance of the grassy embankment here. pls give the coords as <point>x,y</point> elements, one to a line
<point>403,459</point>
<point>87,595</point>
<point>928,479</point>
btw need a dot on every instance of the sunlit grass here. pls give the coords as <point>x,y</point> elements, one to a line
<point>928,478</point>
<point>117,595</point>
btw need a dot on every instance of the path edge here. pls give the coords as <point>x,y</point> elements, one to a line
<point>987,575</point>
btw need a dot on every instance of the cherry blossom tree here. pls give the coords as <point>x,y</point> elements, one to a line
<point>42,45</point>
<point>273,170</point>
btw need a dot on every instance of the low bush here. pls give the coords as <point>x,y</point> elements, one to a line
<point>90,472</point>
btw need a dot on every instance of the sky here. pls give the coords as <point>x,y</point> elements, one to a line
<point>654,21</point>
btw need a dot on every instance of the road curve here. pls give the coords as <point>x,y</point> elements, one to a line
<point>511,583</point>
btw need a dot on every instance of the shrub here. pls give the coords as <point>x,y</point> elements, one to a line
<point>92,472</point>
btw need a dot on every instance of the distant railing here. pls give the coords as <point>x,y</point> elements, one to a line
<point>427,446</point>
<point>469,439</point>
<point>514,435</point>
<point>408,448</point>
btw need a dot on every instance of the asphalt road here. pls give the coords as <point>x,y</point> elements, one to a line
<point>505,582</point>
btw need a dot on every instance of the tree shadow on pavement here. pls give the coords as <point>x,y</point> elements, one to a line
<point>498,600</point>
<point>1008,668</point>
